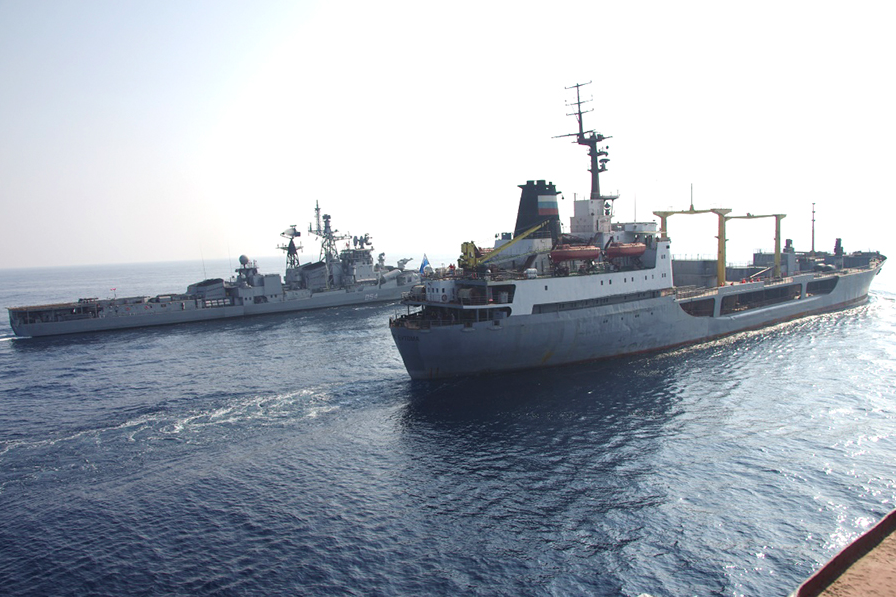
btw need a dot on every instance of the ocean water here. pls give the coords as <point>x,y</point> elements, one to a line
<point>292,455</point>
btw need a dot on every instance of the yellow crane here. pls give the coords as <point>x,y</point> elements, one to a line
<point>471,257</point>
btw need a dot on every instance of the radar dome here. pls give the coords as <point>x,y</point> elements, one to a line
<point>243,260</point>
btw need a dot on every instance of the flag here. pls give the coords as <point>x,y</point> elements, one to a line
<point>425,264</point>
<point>547,205</point>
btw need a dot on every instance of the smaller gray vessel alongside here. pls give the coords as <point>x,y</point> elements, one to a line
<point>340,277</point>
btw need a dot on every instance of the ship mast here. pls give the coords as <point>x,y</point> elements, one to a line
<point>329,254</point>
<point>813,229</point>
<point>591,139</point>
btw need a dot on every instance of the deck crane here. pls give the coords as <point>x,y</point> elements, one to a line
<point>471,257</point>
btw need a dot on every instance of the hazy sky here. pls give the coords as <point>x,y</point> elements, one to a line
<point>169,130</point>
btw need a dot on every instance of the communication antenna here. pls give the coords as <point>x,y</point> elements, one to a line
<point>329,254</point>
<point>813,229</point>
<point>590,139</point>
<point>292,252</point>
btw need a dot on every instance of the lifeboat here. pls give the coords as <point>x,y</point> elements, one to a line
<point>616,250</point>
<point>571,252</point>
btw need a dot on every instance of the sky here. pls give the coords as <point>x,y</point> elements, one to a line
<point>171,130</point>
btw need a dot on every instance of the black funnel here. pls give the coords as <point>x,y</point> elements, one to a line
<point>538,202</point>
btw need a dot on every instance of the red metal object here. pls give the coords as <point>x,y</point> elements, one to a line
<point>570,252</point>
<point>615,250</point>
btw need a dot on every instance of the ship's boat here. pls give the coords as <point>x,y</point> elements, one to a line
<point>616,250</point>
<point>575,252</point>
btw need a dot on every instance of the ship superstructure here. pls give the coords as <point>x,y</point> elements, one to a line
<point>542,298</point>
<point>346,276</point>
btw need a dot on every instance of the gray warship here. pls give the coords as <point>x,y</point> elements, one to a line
<point>542,298</point>
<point>346,276</point>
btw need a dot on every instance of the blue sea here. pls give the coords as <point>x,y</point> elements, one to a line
<point>292,455</point>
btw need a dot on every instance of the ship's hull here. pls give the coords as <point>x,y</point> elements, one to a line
<point>147,314</point>
<point>578,335</point>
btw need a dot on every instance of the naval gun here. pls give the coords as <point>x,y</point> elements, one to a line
<point>472,257</point>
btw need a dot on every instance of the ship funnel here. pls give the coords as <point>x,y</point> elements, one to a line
<point>538,203</point>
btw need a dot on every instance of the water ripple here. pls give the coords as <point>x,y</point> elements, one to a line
<point>292,455</point>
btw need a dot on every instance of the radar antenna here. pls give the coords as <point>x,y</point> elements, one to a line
<point>292,252</point>
<point>329,254</point>
<point>591,139</point>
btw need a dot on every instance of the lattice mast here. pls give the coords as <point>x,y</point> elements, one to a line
<point>291,249</point>
<point>329,253</point>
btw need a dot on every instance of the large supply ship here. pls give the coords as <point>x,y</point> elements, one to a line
<point>346,276</point>
<point>543,298</point>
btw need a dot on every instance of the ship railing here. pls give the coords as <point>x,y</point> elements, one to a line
<point>35,308</point>
<point>474,301</point>
<point>504,275</point>
<point>873,263</point>
<point>416,322</point>
<point>686,292</point>
<point>77,316</point>
<point>552,272</point>
<point>557,271</point>
<point>498,276</point>
<point>776,281</point>
<point>739,307</point>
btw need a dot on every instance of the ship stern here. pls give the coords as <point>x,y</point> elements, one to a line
<point>407,341</point>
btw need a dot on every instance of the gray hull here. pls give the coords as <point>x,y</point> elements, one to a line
<point>578,335</point>
<point>148,313</point>
<point>342,276</point>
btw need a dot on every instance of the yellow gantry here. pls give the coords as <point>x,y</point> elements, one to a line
<point>723,216</point>
<point>720,259</point>
<point>778,218</point>
<point>664,216</point>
